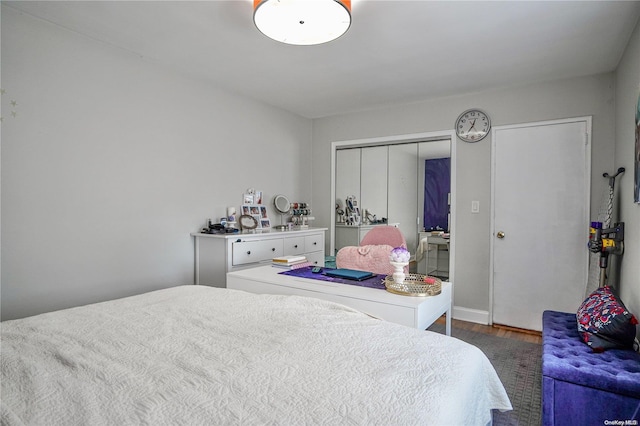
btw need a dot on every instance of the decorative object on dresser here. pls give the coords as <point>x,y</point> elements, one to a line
<point>231,216</point>
<point>399,259</point>
<point>339,212</point>
<point>248,222</point>
<point>473,125</point>
<point>353,211</point>
<point>301,214</point>
<point>215,255</point>
<point>258,212</point>
<point>223,227</point>
<point>283,206</point>
<point>416,285</point>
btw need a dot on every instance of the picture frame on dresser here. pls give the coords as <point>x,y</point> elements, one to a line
<point>256,211</point>
<point>248,222</point>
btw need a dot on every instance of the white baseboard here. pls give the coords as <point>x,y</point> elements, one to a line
<point>471,315</point>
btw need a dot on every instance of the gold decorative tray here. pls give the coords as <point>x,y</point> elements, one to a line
<point>414,285</point>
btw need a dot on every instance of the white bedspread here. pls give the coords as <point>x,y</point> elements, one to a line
<point>194,355</point>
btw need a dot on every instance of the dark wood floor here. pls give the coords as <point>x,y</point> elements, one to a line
<point>497,330</point>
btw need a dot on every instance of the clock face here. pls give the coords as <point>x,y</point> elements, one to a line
<point>472,125</point>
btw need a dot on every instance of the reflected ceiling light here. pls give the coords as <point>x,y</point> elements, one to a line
<point>302,22</point>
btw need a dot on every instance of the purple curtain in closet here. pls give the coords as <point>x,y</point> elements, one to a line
<point>437,185</point>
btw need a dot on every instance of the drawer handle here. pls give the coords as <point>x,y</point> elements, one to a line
<point>249,252</point>
<point>296,246</point>
<point>273,249</point>
<point>315,243</point>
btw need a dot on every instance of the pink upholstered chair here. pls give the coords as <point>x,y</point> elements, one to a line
<point>389,235</point>
<point>373,252</point>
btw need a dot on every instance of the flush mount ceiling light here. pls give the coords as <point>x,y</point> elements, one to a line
<point>302,22</point>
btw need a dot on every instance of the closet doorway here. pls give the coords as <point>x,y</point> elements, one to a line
<point>401,189</point>
<point>540,203</point>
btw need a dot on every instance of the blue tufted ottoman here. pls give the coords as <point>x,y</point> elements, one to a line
<point>580,387</point>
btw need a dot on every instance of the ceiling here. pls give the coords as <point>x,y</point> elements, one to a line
<point>395,52</point>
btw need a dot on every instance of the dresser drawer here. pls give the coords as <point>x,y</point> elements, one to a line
<point>317,258</point>
<point>313,243</point>
<point>218,254</point>
<point>244,252</point>
<point>294,245</point>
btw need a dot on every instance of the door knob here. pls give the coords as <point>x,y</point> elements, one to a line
<point>500,234</point>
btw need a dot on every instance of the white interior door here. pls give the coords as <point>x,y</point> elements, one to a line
<point>540,199</point>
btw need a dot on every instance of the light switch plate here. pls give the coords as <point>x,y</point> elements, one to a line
<point>475,207</point>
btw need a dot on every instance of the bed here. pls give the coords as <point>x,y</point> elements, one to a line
<point>202,355</point>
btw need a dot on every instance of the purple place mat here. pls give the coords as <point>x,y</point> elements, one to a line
<point>377,281</point>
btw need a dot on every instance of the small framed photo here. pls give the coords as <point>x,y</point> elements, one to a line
<point>246,209</point>
<point>263,212</point>
<point>265,223</point>
<point>248,199</point>
<point>257,219</point>
<point>254,210</point>
<point>257,197</point>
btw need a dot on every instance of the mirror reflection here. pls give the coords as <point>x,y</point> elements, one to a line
<point>403,185</point>
<point>283,206</point>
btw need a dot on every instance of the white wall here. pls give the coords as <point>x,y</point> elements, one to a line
<point>98,199</point>
<point>627,92</point>
<point>112,161</point>
<point>544,101</point>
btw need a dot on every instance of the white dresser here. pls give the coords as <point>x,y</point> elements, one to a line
<point>217,254</point>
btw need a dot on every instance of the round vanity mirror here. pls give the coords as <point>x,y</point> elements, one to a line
<point>283,206</point>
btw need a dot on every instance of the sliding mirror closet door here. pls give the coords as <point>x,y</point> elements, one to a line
<point>347,175</point>
<point>390,181</point>
<point>434,185</point>
<point>434,207</point>
<point>373,183</point>
<point>347,185</point>
<point>402,198</point>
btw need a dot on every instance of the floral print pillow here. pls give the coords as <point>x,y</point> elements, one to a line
<point>605,323</point>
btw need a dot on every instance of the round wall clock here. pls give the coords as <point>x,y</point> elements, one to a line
<point>473,125</point>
